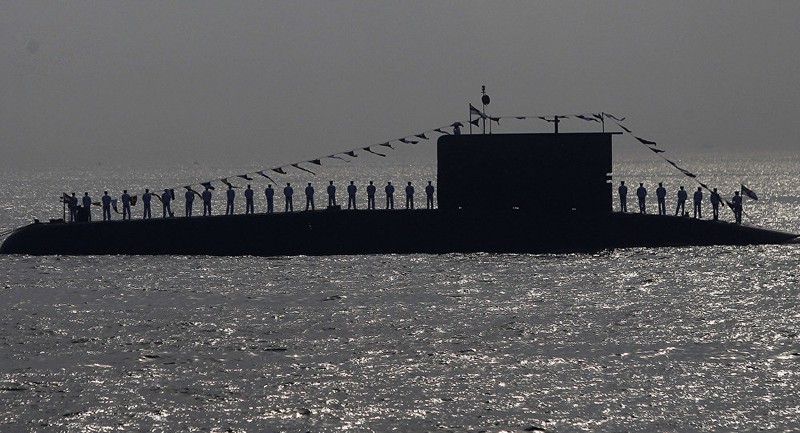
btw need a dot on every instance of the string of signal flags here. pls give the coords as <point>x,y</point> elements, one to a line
<point>475,117</point>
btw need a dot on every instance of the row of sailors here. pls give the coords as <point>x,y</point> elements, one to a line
<point>288,192</point>
<point>661,194</point>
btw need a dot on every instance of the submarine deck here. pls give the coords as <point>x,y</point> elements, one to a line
<point>327,232</point>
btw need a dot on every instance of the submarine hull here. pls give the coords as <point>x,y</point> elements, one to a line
<point>381,232</point>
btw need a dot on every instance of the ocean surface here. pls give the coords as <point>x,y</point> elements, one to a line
<point>641,340</point>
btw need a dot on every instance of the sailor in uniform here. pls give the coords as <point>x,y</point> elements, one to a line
<point>429,193</point>
<point>87,205</point>
<point>248,199</point>
<point>351,195</point>
<point>331,195</point>
<point>698,203</point>
<point>409,196</point>
<point>371,196</point>
<point>737,206</point>
<point>287,193</point>
<point>72,205</point>
<point>661,195</point>
<point>270,194</point>
<point>189,202</point>
<point>166,209</point>
<point>715,201</point>
<point>207,202</point>
<point>682,196</point>
<point>106,201</point>
<point>126,204</point>
<point>309,196</point>
<point>389,196</point>
<point>623,197</point>
<point>146,203</point>
<point>231,195</point>
<point>641,192</point>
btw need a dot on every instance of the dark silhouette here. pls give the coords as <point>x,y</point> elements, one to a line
<point>661,196</point>
<point>623,197</point>
<point>698,203</point>
<point>146,198</point>
<point>106,201</point>
<point>126,204</point>
<point>231,195</point>
<point>166,209</point>
<point>389,196</point>
<point>737,207</point>
<point>331,195</point>
<point>641,192</point>
<point>371,196</point>
<point>207,202</point>
<point>249,206</point>
<point>287,193</point>
<point>72,204</point>
<point>351,195</point>
<point>715,201</point>
<point>429,193</point>
<point>409,196</point>
<point>87,206</point>
<point>270,194</point>
<point>310,196</point>
<point>682,196</point>
<point>189,202</point>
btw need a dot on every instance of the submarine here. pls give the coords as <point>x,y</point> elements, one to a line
<point>473,215</point>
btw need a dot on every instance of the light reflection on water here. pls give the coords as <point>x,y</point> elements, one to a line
<point>669,339</point>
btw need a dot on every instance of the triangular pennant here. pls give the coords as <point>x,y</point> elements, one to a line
<point>476,122</point>
<point>297,165</point>
<point>337,157</point>
<point>403,140</point>
<point>316,161</point>
<point>475,112</point>
<point>225,181</point>
<point>626,129</point>
<point>422,136</point>
<point>586,118</point>
<point>351,153</point>
<point>495,119</point>
<point>372,151</point>
<point>647,142</point>
<point>207,185</point>
<point>387,144</point>
<point>441,131</point>
<point>262,173</point>
<point>279,170</point>
<point>520,117</point>
<point>656,150</point>
<point>614,117</point>
<point>244,176</point>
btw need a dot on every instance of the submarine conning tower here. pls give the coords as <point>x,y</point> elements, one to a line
<point>553,173</point>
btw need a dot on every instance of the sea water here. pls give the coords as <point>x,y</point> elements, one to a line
<point>644,339</point>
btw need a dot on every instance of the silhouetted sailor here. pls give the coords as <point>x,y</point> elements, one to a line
<point>106,201</point>
<point>166,209</point>
<point>126,205</point>
<point>389,196</point>
<point>715,201</point>
<point>409,196</point>
<point>371,196</point>
<point>623,197</point>
<point>231,195</point>
<point>682,196</point>
<point>87,205</point>
<point>287,193</point>
<point>331,195</point>
<point>698,203</point>
<point>429,193</point>
<point>309,196</point>
<point>189,202</point>
<point>146,198</point>
<point>456,130</point>
<point>270,194</point>
<point>661,196</point>
<point>206,202</point>
<point>351,195</point>
<point>72,205</point>
<point>641,192</point>
<point>737,206</point>
<point>249,207</point>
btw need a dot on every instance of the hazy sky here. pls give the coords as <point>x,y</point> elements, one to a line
<point>278,82</point>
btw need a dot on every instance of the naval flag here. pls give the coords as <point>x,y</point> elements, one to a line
<point>749,192</point>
